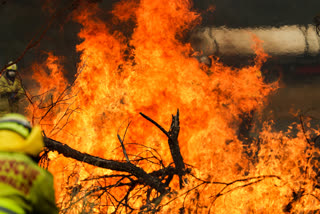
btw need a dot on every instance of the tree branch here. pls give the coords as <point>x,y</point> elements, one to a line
<point>173,144</point>
<point>138,172</point>
<point>174,147</point>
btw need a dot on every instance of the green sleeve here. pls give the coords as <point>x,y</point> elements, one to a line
<point>4,86</point>
<point>45,202</point>
<point>19,89</point>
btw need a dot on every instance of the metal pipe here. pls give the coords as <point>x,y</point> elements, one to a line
<point>277,41</point>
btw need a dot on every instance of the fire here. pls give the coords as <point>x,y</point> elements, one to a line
<point>49,91</point>
<point>153,71</point>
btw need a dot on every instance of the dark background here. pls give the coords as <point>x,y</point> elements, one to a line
<point>21,20</point>
<point>245,13</point>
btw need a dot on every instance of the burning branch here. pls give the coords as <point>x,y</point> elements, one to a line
<point>158,180</point>
<point>173,144</point>
<point>138,172</point>
<point>225,190</point>
<point>152,186</point>
<point>122,145</point>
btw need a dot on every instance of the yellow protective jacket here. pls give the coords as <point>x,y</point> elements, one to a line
<point>24,186</point>
<point>10,95</point>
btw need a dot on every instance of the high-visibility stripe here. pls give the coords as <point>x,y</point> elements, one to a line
<point>7,211</point>
<point>21,122</point>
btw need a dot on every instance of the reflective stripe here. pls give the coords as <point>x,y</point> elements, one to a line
<point>19,126</point>
<point>20,122</point>
<point>2,209</point>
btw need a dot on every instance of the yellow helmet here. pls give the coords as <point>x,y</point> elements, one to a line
<point>12,67</point>
<point>17,135</point>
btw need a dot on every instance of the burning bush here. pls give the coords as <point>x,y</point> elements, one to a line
<point>151,70</point>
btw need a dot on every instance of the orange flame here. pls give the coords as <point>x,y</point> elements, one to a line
<point>158,77</point>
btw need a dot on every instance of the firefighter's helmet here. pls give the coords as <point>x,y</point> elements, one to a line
<point>12,67</point>
<point>17,135</point>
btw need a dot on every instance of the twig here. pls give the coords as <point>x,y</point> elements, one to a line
<point>123,149</point>
<point>303,130</point>
<point>257,180</point>
<point>150,148</point>
<point>121,142</point>
<point>156,124</point>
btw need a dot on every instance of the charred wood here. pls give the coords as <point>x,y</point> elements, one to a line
<point>138,172</point>
<point>173,144</point>
<point>174,147</point>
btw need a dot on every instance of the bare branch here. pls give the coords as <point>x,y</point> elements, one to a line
<point>156,124</point>
<point>173,144</point>
<point>123,149</point>
<point>175,149</point>
<point>138,172</point>
<point>121,142</point>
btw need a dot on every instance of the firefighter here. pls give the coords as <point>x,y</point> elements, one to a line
<point>24,186</point>
<point>11,91</point>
